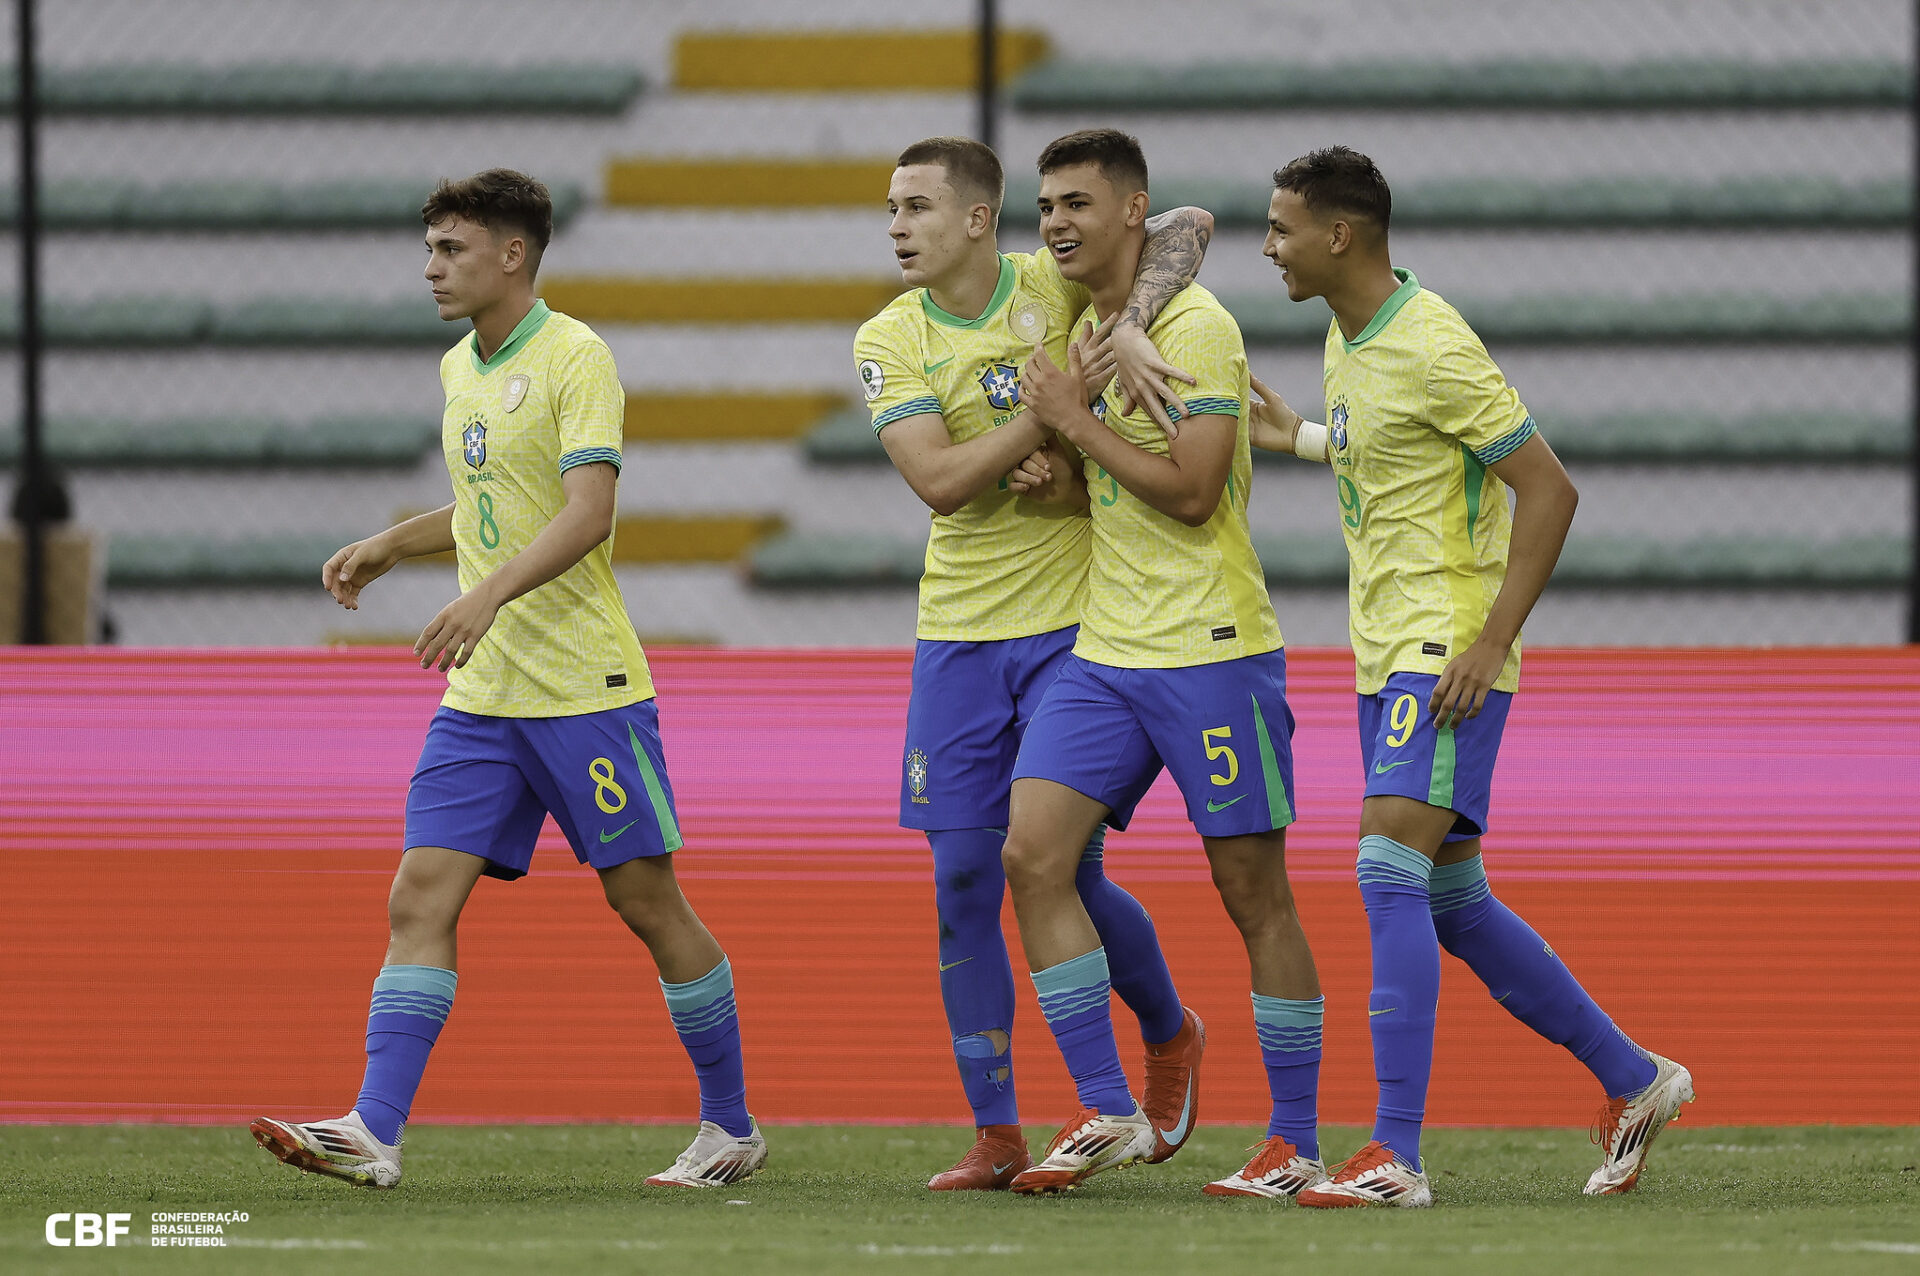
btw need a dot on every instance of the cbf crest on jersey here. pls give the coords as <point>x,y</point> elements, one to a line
<point>917,772</point>
<point>1002,384</point>
<point>1337,427</point>
<point>473,442</point>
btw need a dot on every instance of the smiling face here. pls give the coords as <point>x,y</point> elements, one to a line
<point>470,267</point>
<point>934,228</point>
<point>1300,243</point>
<point>1086,222</point>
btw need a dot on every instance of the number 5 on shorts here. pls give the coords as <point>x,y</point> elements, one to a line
<point>1215,751</point>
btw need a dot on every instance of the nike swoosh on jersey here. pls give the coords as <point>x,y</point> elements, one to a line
<point>930,367</point>
<point>1389,1010</point>
<point>1382,770</point>
<point>606,837</point>
<point>1213,806</point>
<point>949,965</point>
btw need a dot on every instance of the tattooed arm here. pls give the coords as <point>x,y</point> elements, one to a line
<point>1176,245</point>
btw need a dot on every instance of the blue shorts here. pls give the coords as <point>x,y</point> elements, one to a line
<point>970,705</point>
<point>1405,755</point>
<point>485,785</point>
<point>1224,730</point>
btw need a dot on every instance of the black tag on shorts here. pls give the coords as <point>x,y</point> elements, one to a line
<point>1433,648</point>
<point>1223,632</point>
<point>616,680</point>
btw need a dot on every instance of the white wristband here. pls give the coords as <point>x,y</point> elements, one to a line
<point>1310,441</point>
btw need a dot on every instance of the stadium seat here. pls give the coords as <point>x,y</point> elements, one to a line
<point>848,438</point>
<point>320,89</point>
<point>200,443</point>
<point>119,205</point>
<point>1538,85</point>
<point>821,561</point>
<point>1747,203</point>
<point>848,60</point>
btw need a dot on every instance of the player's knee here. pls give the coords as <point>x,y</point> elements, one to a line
<point>415,908</point>
<point>1257,899</point>
<point>1031,865</point>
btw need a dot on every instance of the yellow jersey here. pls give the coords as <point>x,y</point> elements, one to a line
<point>1001,566</point>
<point>1416,412</point>
<point>548,400</point>
<point>1160,594</point>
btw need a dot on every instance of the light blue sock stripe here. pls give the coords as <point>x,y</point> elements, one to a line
<point>431,1007</point>
<point>430,980</point>
<point>1065,1005</point>
<point>696,993</point>
<point>1283,1012</point>
<point>1458,885</point>
<point>1096,849</point>
<point>1073,987</point>
<point>1383,861</point>
<point>712,1015</point>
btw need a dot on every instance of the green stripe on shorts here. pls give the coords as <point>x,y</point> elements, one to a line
<point>1440,786</point>
<point>1278,808</point>
<point>656,794</point>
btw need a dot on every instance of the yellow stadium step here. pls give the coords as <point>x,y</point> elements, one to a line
<point>403,638</point>
<point>695,418</point>
<point>745,182</point>
<point>666,538</point>
<point>629,300</point>
<point>845,61</point>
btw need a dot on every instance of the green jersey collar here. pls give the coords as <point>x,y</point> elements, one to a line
<point>1001,292</point>
<point>1388,309</point>
<point>521,334</point>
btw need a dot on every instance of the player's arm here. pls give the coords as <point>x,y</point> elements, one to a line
<point>585,520</point>
<point>1272,426</point>
<point>1185,484</point>
<point>1176,245</point>
<point>1544,501</point>
<point>357,565</point>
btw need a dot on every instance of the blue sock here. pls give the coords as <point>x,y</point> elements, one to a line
<point>1074,997</point>
<point>704,1015</point>
<point>1523,974</point>
<point>1406,987</point>
<point>410,1003</point>
<point>1289,1034</point>
<point>976,980</point>
<point>1139,968</point>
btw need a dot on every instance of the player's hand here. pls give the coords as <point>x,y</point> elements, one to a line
<point>1146,379</point>
<point>1271,424</point>
<point>1049,476</point>
<point>1462,689</point>
<point>1097,356</point>
<point>1057,397</point>
<point>353,568</point>
<point>1032,475</point>
<point>452,635</point>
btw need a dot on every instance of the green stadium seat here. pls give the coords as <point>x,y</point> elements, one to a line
<point>1502,84</point>
<point>1623,203</point>
<point>796,560</point>
<point>330,321</point>
<point>171,562</point>
<point>1635,438</point>
<point>114,321</point>
<point>115,205</point>
<point>321,89</point>
<point>237,443</point>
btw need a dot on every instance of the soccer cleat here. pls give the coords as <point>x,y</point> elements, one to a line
<point>1277,1169</point>
<point>1172,1100</point>
<point>1372,1176</point>
<point>1084,1147</point>
<point>715,1159</point>
<point>1627,1127</point>
<point>342,1149</point>
<point>999,1152</point>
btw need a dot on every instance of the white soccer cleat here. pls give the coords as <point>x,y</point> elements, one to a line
<point>716,1159</point>
<point>1373,1176</point>
<point>1085,1146</point>
<point>1627,1127</point>
<point>1277,1169</point>
<point>343,1149</point>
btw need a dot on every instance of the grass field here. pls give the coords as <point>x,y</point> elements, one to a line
<point>849,1199</point>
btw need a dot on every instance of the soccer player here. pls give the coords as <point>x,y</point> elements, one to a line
<point>1425,437</point>
<point>998,604</point>
<point>1178,663</point>
<point>549,708</point>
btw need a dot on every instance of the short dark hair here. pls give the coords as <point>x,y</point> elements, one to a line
<point>1116,154</point>
<point>498,198</point>
<point>1338,178</point>
<point>972,167</point>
